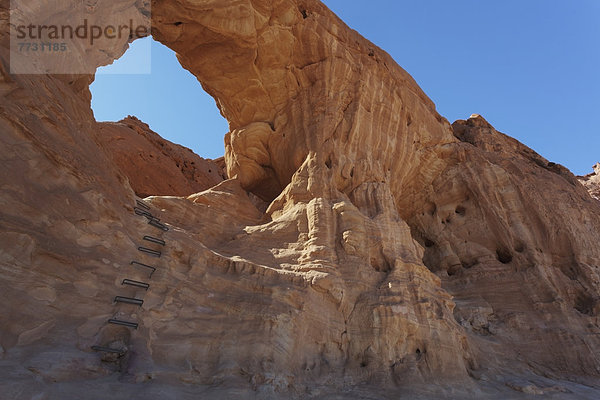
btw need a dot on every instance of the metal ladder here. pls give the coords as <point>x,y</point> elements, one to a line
<point>141,209</point>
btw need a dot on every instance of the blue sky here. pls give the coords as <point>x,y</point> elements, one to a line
<point>530,67</point>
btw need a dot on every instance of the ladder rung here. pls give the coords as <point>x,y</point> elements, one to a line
<point>142,204</point>
<point>129,300</point>
<point>108,350</point>
<point>154,240</point>
<point>133,325</point>
<point>144,213</point>
<point>155,223</point>
<point>151,252</point>
<point>145,266</point>
<point>135,283</point>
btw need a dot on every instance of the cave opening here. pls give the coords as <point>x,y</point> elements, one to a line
<point>173,104</point>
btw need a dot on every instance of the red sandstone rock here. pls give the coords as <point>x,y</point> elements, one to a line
<point>155,166</point>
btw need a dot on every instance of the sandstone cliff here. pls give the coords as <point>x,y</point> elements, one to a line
<point>362,247</point>
<point>592,182</point>
<point>153,165</point>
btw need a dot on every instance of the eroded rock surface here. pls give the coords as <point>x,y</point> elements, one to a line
<point>155,166</point>
<point>592,182</point>
<point>362,246</point>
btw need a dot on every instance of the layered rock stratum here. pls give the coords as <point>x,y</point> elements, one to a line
<point>153,165</point>
<point>361,247</point>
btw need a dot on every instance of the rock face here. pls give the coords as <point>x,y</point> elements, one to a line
<point>592,182</point>
<point>153,165</point>
<point>362,247</point>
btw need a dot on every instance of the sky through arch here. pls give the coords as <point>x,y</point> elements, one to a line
<point>169,99</point>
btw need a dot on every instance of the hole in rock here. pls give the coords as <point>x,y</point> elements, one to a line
<point>169,101</point>
<point>304,14</point>
<point>504,256</point>
<point>454,269</point>
<point>428,242</point>
<point>585,304</point>
<point>460,210</point>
